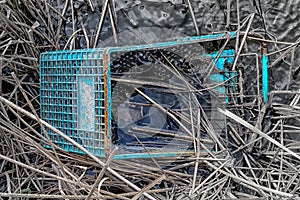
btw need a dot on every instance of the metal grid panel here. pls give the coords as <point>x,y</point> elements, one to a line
<point>72,98</point>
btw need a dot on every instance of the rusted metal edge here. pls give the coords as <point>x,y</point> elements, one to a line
<point>263,63</point>
<point>107,103</point>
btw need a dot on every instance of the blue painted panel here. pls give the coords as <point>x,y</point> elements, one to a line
<point>227,56</point>
<point>265,84</point>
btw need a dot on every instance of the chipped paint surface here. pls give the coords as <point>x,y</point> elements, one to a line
<point>86,103</point>
<point>265,73</point>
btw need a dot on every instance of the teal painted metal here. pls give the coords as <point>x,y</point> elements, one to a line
<point>73,97</point>
<point>157,155</point>
<point>265,77</point>
<point>226,56</point>
<point>208,37</point>
<point>180,41</point>
<point>151,155</point>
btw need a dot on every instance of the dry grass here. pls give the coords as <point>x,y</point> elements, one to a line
<point>257,160</point>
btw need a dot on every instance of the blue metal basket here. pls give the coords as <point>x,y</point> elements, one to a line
<point>72,98</point>
<point>76,94</point>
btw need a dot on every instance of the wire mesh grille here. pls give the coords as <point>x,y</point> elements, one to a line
<point>72,98</point>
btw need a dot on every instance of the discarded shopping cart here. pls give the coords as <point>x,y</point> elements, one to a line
<point>152,100</point>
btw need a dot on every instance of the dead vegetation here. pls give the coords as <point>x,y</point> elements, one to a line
<point>259,159</point>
